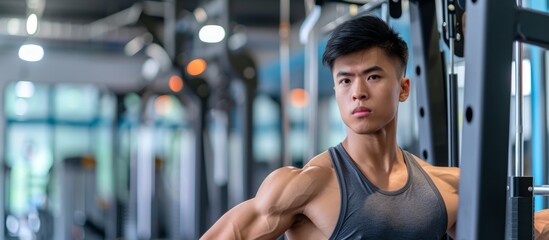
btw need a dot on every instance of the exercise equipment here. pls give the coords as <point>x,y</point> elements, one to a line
<point>452,16</point>
<point>395,8</point>
<point>484,180</point>
<point>82,215</point>
<point>452,37</point>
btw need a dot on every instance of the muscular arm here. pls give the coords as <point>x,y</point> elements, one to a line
<point>282,196</point>
<point>246,221</point>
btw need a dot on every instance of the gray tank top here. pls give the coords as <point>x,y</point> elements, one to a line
<point>416,211</point>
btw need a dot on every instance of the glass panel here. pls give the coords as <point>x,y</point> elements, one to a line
<point>29,159</point>
<point>333,128</point>
<point>266,137</point>
<point>75,102</point>
<point>218,136</point>
<point>104,154</point>
<point>298,135</point>
<point>26,100</point>
<point>107,106</point>
<point>71,141</point>
<point>132,103</point>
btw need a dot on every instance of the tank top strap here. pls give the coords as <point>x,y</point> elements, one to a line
<point>428,182</point>
<point>339,167</point>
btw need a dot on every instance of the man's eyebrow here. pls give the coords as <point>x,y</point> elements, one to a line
<point>364,72</point>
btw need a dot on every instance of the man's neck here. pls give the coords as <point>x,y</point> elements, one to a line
<point>377,150</point>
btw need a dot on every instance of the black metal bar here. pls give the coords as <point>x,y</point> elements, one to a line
<point>520,223</point>
<point>395,8</point>
<point>431,102</point>
<point>251,87</point>
<point>531,27</point>
<point>118,207</point>
<point>453,143</point>
<point>246,87</point>
<point>201,186</point>
<point>483,183</point>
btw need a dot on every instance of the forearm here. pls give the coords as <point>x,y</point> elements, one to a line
<point>224,229</point>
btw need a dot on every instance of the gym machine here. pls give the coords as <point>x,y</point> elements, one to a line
<point>483,182</point>
<point>83,216</point>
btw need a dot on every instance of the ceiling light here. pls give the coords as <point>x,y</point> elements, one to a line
<point>196,67</point>
<point>211,34</point>
<point>32,24</point>
<point>150,69</point>
<point>200,15</point>
<point>175,83</point>
<point>237,41</point>
<point>31,52</point>
<point>299,98</point>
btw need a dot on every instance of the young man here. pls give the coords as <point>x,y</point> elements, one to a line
<point>367,187</point>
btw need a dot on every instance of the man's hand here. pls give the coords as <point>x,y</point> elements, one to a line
<point>541,225</point>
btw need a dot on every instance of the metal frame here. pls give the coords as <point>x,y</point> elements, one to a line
<point>539,116</point>
<point>489,41</point>
<point>430,88</point>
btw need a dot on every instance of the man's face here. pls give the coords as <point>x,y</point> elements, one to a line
<point>368,87</point>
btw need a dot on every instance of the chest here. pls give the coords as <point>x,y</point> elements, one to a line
<point>378,212</point>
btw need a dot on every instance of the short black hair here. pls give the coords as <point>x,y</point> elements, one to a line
<point>362,33</point>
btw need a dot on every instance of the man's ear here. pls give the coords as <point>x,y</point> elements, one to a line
<point>404,89</point>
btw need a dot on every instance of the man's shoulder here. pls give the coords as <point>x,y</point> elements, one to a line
<point>322,160</point>
<point>317,169</point>
<point>449,175</point>
<point>290,188</point>
<point>436,169</point>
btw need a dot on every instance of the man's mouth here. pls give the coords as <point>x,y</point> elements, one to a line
<point>361,111</point>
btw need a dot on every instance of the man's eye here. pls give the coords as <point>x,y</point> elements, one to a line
<point>345,81</point>
<point>374,77</point>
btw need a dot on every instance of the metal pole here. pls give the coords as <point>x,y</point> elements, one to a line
<point>284,33</point>
<point>541,190</point>
<point>520,204</point>
<point>311,87</point>
<point>3,165</point>
<point>385,12</point>
<point>519,149</point>
<point>451,90</point>
<point>308,36</point>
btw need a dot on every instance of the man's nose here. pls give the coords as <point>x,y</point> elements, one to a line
<point>360,91</point>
